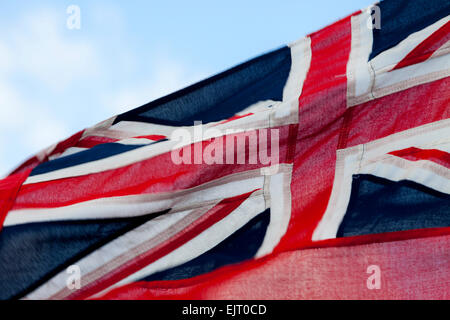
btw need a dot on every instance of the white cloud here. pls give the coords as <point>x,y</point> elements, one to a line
<point>42,51</point>
<point>24,125</point>
<point>44,131</point>
<point>35,47</point>
<point>38,47</point>
<point>6,59</point>
<point>11,107</point>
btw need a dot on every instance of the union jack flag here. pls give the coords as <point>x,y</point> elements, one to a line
<point>357,115</point>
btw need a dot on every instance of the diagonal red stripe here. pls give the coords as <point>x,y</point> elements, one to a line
<point>235,117</point>
<point>414,154</point>
<point>59,148</point>
<point>154,137</point>
<point>9,188</point>
<point>212,216</point>
<point>427,47</point>
<point>153,175</point>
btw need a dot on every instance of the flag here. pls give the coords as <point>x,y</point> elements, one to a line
<point>320,170</point>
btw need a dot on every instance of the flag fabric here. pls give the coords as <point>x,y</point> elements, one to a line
<point>320,170</point>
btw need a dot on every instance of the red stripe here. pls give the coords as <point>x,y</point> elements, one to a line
<point>154,175</point>
<point>415,154</point>
<point>9,187</point>
<point>59,148</point>
<point>68,143</point>
<point>154,137</point>
<point>235,117</point>
<point>345,129</point>
<point>410,269</point>
<point>427,47</point>
<point>400,111</point>
<point>92,141</point>
<point>31,163</point>
<point>212,216</point>
<point>322,105</point>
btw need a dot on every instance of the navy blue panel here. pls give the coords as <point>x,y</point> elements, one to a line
<point>379,205</point>
<point>221,96</point>
<point>240,246</point>
<point>96,153</point>
<point>30,254</point>
<point>400,18</point>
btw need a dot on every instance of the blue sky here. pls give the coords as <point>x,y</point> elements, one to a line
<point>55,81</point>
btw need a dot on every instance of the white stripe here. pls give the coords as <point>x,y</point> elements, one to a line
<point>136,205</point>
<point>346,166</point>
<point>135,128</point>
<point>136,141</point>
<point>110,251</point>
<point>202,243</point>
<point>410,170</point>
<point>150,151</point>
<point>358,69</point>
<point>373,158</point>
<point>386,60</point>
<point>280,211</point>
<point>67,152</point>
<point>408,75</point>
<point>433,135</point>
<point>300,63</point>
<point>190,250</point>
<point>280,113</point>
<point>109,163</point>
<point>372,79</point>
